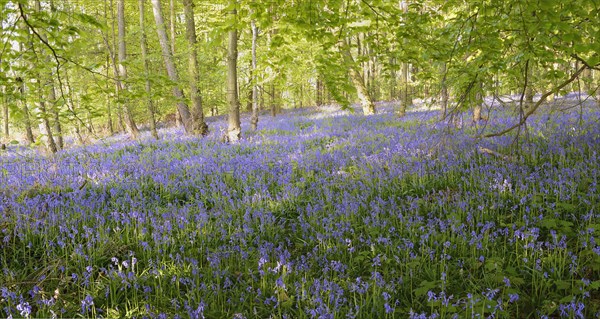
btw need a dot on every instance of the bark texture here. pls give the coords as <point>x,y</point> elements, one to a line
<point>254,118</point>
<point>182,107</point>
<point>234,130</point>
<point>127,114</point>
<point>366,102</point>
<point>147,86</point>
<point>199,126</point>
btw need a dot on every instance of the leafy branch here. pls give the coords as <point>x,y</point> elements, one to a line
<point>538,104</point>
<point>57,58</point>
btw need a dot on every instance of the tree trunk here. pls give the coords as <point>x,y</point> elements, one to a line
<point>25,109</point>
<point>444,92</point>
<point>172,24</point>
<point>127,114</point>
<point>5,115</point>
<point>372,64</point>
<point>234,129</point>
<point>111,128</point>
<point>272,98</point>
<point>44,122</point>
<point>22,91</point>
<point>148,87</point>
<point>56,114</point>
<point>478,102</point>
<point>355,74</point>
<point>405,98</point>
<point>4,109</point>
<point>587,81</point>
<point>182,107</point>
<point>254,118</point>
<point>319,89</point>
<point>112,49</point>
<point>393,78</point>
<point>199,126</point>
<point>172,27</point>
<point>528,85</point>
<point>597,76</point>
<point>528,96</point>
<point>249,91</point>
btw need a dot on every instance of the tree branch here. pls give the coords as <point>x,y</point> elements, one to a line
<point>578,58</point>
<point>538,104</point>
<point>56,57</point>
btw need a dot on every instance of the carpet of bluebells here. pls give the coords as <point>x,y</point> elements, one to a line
<point>321,213</point>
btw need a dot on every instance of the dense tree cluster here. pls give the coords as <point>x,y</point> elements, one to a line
<point>91,68</point>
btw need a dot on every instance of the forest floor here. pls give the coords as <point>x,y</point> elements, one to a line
<point>321,213</point>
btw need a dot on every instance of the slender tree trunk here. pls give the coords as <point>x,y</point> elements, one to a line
<point>587,80</point>
<point>597,76</point>
<point>366,102</point>
<point>127,114</point>
<point>111,128</point>
<point>182,107</point>
<point>172,24</point>
<point>199,126</point>
<point>261,104</point>
<point>528,84</point>
<point>393,79</point>
<point>5,114</point>
<point>26,116</point>
<point>148,86</point>
<point>372,64</point>
<point>22,91</point>
<point>405,99</point>
<point>362,51</point>
<point>4,107</point>
<point>254,118</point>
<point>249,91</point>
<point>44,122</point>
<point>56,114</point>
<point>112,49</point>
<point>444,92</point>
<point>172,29</point>
<point>528,96</point>
<point>234,129</point>
<point>272,98</point>
<point>478,104</point>
<point>319,97</point>
<point>44,125</point>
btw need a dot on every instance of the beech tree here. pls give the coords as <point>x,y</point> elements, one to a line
<point>128,115</point>
<point>253,78</point>
<point>182,107</point>
<point>147,84</point>
<point>234,129</point>
<point>199,126</point>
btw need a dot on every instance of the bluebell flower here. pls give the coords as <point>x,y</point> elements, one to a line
<point>86,303</point>
<point>24,309</point>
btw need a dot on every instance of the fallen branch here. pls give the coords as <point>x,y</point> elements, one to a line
<point>484,150</point>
